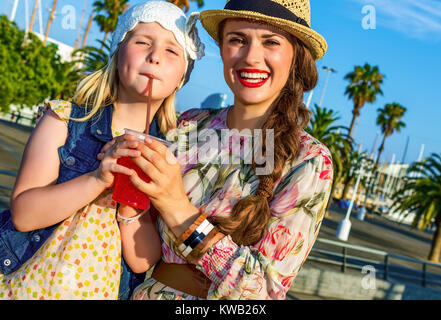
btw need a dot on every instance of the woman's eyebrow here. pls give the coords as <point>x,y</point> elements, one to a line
<point>236,33</point>
<point>270,35</point>
<point>265,36</point>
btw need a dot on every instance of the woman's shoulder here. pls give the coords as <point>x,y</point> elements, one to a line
<point>62,108</point>
<point>199,115</point>
<point>314,152</point>
<point>311,147</point>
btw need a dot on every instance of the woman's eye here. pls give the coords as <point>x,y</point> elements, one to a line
<point>172,51</point>
<point>271,43</point>
<point>236,40</point>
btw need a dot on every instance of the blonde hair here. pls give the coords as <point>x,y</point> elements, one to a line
<point>100,89</point>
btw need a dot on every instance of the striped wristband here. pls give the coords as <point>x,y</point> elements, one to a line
<point>195,237</point>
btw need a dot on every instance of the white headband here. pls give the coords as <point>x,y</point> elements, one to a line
<point>170,17</point>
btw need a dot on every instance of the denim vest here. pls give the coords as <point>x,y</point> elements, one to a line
<point>77,157</point>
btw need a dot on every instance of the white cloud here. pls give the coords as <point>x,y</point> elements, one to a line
<point>416,18</point>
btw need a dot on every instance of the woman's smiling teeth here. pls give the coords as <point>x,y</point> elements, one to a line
<point>253,77</point>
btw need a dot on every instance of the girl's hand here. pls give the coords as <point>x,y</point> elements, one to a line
<point>122,146</point>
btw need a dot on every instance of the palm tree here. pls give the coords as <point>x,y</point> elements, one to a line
<point>185,3</point>
<point>365,84</point>
<point>349,172</point>
<point>51,17</point>
<point>422,195</point>
<point>68,76</point>
<point>111,9</point>
<point>92,58</point>
<point>389,119</point>
<point>89,24</point>
<point>322,127</point>
<point>31,24</point>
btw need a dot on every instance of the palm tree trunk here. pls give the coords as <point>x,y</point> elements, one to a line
<point>346,189</point>
<point>104,41</point>
<point>51,17</point>
<point>351,127</point>
<point>380,150</point>
<point>89,24</point>
<point>435,249</point>
<point>33,15</point>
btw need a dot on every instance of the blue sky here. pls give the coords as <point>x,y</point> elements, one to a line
<point>405,44</point>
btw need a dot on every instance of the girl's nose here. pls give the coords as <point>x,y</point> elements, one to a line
<point>154,56</point>
<point>153,59</point>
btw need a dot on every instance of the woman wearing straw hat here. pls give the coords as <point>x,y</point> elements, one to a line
<point>230,230</point>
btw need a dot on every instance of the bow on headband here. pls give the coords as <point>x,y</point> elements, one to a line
<point>194,47</point>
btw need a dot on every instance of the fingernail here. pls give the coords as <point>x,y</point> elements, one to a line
<point>148,140</point>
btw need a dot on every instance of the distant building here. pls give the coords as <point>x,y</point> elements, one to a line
<point>215,101</point>
<point>64,50</point>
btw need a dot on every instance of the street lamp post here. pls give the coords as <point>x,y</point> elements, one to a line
<point>308,102</point>
<point>14,10</point>
<point>344,227</point>
<point>329,70</point>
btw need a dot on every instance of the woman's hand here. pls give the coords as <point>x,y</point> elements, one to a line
<point>165,190</point>
<point>122,146</point>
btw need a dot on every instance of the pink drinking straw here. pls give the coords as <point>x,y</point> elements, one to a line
<point>149,103</point>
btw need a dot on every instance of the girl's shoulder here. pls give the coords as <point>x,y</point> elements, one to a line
<point>62,109</point>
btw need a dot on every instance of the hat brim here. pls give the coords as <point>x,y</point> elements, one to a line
<point>210,20</point>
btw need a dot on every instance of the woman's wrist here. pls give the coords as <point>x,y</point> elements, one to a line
<point>198,238</point>
<point>180,219</point>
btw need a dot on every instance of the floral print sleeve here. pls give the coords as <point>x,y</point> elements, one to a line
<point>267,269</point>
<point>61,108</point>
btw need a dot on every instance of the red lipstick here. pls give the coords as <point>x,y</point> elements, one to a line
<point>253,83</point>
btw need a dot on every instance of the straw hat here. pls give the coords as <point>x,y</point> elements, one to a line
<point>293,16</point>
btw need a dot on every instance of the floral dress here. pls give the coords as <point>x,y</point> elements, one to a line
<point>267,269</point>
<point>82,257</point>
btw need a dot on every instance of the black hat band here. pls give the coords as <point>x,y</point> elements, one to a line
<point>266,7</point>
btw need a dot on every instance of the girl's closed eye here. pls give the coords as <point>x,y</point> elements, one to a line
<point>173,51</point>
<point>142,42</point>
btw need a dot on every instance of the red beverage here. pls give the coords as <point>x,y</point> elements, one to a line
<point>125,192</point>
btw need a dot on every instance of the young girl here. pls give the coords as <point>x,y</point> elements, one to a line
<point>234,229</point>
<point>60,178</point>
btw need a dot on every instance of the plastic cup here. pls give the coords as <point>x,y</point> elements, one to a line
<point>124,191</point>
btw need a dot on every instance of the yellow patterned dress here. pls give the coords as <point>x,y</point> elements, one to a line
<point>80,260</point>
